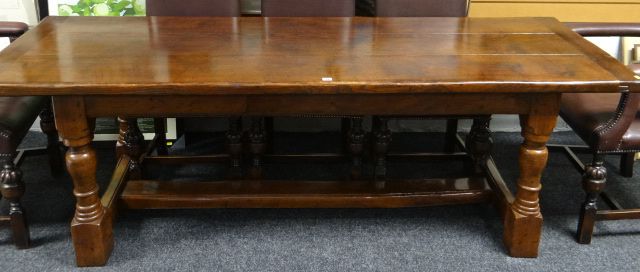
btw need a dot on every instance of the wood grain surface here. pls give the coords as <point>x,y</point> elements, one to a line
<point>177,55</point>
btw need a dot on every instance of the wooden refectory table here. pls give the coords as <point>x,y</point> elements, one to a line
<point>175,67</point>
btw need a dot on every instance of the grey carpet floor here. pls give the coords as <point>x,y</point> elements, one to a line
<point>450,238</point>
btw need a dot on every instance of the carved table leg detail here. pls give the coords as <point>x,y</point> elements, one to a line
<point>593,181</point>
<point>257,147</point>
<point>82,161</point>
<point>91,227</point>
<point>134,146</point>
<point>523,222</point>
<point>479,143</point>
<point>123,125</point>
<point>381,147</point>
<point>234,147</point>
<point>12,188</point>
<point>356,147</point>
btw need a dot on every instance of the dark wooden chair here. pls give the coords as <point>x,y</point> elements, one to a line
<point>17,114</point>
<point>608,124</point>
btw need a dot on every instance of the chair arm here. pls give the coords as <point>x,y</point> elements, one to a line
<point>611,134</point>
<point>13,30</point>
<point>635,67</point>
<point>606,29</point>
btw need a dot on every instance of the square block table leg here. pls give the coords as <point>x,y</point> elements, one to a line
<point>91,227</point>
<point>523,221</point>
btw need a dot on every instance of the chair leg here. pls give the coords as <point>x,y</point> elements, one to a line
<point>450,136</point>
<point>48,126</point>
<point>593,182</point>
<point>626,164</point>
<point>160,129</point>
<point>479,143</point>
<point>355,136</point>
<point>269,128</point>
<point>345,133</point>
<point>235,147</point>
<point>382,136</point>
<point>134,146</point>
<point>257,146</point>
<point>12,188</point>
<point>123,125</point>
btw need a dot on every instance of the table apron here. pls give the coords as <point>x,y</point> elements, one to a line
<point>295,105</point>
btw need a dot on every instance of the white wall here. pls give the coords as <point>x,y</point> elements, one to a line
<point>18,10</point>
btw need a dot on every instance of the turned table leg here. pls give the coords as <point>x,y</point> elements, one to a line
<point>131,142</point>
<point>134,146</point>
<point>479,143</point>
<point>91,228</point>
<point>123,125</point>
<point>257,147</point>
<point>382,136</point>
<point>234,147</point>
<point>523,221</point>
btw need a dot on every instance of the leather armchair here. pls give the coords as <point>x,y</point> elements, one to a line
<point>608,124</point>
<point>17,114</point>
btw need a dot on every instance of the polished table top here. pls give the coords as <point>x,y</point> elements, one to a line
<point>178,55</point>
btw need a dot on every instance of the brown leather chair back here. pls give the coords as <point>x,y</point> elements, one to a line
<point>226,8</point>
<point>13,30</point>
<point>635,68</point>
<point>308,8</point>
<point>422,8</point>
